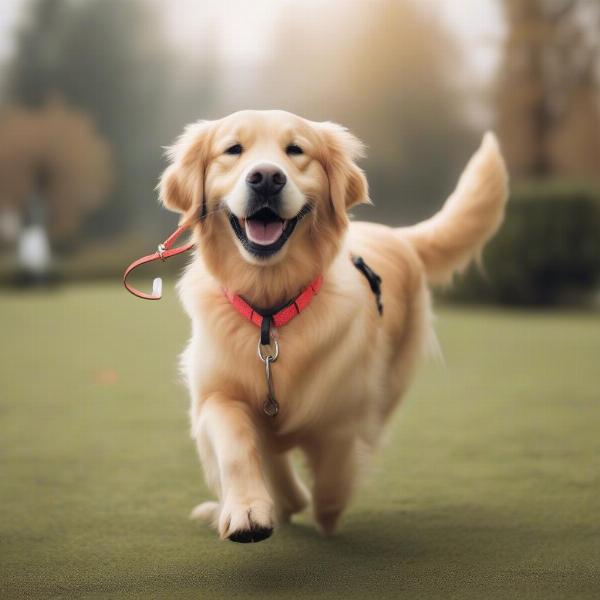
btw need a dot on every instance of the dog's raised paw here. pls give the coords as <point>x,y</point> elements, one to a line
<point>246,522</point>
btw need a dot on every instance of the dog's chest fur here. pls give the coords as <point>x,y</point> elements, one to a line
<point>325,369</point>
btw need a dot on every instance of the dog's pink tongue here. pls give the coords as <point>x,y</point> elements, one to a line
<point>263,233</point>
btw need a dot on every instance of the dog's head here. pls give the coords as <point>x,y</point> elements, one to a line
<point>266,188</point>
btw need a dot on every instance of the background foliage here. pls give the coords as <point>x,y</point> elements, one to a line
<point>547,252</point>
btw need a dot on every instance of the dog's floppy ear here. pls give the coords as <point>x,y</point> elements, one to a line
<point>347,182</point>
<point>181,186</point>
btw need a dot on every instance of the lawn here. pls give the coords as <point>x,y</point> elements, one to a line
<point>488,487</point>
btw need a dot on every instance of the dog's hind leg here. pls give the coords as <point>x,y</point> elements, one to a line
<point>334,462</point>
<point>287,489</point>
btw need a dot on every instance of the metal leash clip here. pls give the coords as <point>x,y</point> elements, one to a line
<point>270,405</point>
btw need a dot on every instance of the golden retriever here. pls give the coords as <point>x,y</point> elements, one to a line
<point>267,195</point>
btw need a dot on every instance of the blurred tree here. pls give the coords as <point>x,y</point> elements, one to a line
<point>33,74</point>
<point>548,98</point>
<point>386,69</point>
<point>53,154</point>
<point>107,58</point>
<point>401,83</point>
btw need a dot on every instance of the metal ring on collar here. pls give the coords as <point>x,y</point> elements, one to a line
<point>264,357</point>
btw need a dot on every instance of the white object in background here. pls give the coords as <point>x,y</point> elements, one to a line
<point>33,251</point>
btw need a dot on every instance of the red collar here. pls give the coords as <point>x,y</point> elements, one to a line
<point>280,315</point>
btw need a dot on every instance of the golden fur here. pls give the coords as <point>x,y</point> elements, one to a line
<point>342,368</point>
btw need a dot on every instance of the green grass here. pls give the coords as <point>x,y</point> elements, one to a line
<point>489,485</point>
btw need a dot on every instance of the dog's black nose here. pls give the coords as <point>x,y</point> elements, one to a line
<point>266,180</point>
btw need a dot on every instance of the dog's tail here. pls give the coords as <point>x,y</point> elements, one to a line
<point>452,238</point>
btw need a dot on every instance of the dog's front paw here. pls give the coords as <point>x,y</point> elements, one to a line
<point>246,522</point>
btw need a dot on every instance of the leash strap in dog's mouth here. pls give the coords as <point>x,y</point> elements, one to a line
<point>164,251</point>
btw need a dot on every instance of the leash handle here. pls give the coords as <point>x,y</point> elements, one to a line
<point>165,250</point>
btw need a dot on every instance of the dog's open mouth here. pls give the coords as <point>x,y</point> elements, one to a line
<point>264,232</point>
<point>264,227</point>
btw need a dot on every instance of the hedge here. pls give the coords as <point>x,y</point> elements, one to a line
<point>547,251</point>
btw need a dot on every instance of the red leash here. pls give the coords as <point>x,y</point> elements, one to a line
<point>165,250</point>
<point>264,319</point>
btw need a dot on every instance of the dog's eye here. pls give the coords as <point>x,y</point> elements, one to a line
<point>235,149</point>
<point>293,149</point>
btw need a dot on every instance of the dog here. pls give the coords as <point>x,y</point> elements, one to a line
<point>266,195</point>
